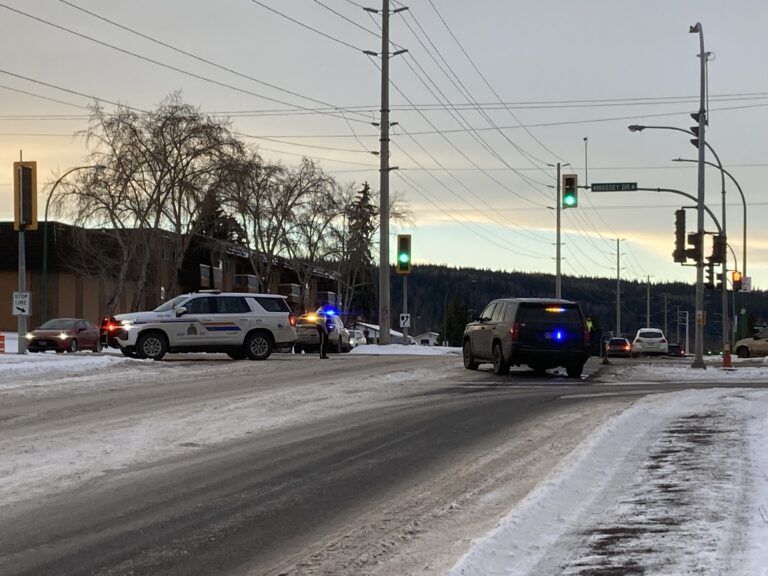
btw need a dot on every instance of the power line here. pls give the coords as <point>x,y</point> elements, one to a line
<point>307,26</point>
<point>329,106</point>
<point>156,62</point>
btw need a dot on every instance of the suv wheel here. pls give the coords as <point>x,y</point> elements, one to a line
<point>574,370</point>
<point>152,345</point>
<point>742,352</point>
<point>72,346</point>
<point>500,365</point>
<point>469,358</point>
<point>258,345</point>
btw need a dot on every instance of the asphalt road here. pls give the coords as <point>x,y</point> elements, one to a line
<point>287,501</point>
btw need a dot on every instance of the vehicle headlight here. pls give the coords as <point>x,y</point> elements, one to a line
<point>29,336</point>
<point>63,336</point>
<point>126,323</point>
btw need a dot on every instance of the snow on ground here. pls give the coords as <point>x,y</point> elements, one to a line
<point>402,349</point>
<point>66,454</point>
<point>679,372</point>
<point>682,489</point>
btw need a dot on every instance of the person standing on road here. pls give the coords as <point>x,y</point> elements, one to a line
<point>323,328</point>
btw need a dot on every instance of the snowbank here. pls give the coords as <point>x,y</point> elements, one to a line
<point>677,483</point>
<point>668,372</point>
<point>402,349</point>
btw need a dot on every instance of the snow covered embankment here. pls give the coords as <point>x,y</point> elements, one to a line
<point>678,484</point>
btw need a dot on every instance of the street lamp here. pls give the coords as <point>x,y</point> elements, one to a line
<point>44,295</point>
<point>445,305</point>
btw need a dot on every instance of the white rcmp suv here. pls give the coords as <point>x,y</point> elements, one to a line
<point>243,325</point>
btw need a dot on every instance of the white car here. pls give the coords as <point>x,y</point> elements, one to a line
<point>649,341</point>
<point>357,338</point>
<point>243,325</point>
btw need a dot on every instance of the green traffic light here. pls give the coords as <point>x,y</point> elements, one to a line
<point>404,258</point>
<point>569,200</point>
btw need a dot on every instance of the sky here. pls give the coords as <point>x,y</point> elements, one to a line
<point>489,96</point>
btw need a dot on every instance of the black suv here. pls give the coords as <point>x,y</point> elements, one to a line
<point>537,332</point>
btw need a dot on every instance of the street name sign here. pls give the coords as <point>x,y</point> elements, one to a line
<point>20,304</point>
<point>614,187</point>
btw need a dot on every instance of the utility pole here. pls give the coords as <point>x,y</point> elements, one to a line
<point>648,303</point>
<point>586,165</point>
<point>558,208</point>
<point>698,360</point>
<point>385,311</point>
<point>618,287</point>
<point>666,333</point>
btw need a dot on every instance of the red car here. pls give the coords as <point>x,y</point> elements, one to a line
<point>64,335</point>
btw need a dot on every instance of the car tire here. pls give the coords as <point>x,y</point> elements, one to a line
<point>128,352</point>
<point>297,349</point>
<point>742,352</point>
<point>500,364</point>
<point>469,358</point>
<point>574,370</point>
<point>259,345</point>
<point>151,345</point>
<point>72,348</point>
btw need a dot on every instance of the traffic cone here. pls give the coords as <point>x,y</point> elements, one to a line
<point>727,358</point>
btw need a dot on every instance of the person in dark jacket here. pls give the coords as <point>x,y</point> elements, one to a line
<point>324,326</point>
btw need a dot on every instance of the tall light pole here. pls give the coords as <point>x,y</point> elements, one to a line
<point>44,291</point>
<point>698,359</point>
<point>618,285</point>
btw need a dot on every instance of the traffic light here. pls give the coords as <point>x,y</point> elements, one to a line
<point>720,280</point>
<point>25,195</point>
<point>679,254</point>
<point>695,129</point>
<point>709,282</point>
<point>570,191</point>
<point>403,265</point>
<point>736,278</point>
<point>695,239</point>
<point>719,249</point>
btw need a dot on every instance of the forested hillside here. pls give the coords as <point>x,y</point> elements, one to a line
<point>432,288</point>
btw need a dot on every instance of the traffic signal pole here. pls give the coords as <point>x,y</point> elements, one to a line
<point>21,347</point>
<point>558,208</point>
<point>698,359</point>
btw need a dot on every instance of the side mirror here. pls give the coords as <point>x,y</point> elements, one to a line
<point>180,311</point>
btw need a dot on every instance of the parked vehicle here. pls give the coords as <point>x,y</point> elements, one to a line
<point>243,325</point>
<point>755,346</point>
<point>649,341</point>
<point>64,335</point>
<point>541,333</point>
<point>675,350</point>
<point>307,338</point>
<point>357,338</point>
<point>618,347</point>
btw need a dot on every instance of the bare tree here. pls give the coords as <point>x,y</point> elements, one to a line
<point>165,160</point>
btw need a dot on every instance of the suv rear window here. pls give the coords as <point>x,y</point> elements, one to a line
<point>620,341</point>
<point>273,304</point>
<point>540,314</point>
<point>649,334</point>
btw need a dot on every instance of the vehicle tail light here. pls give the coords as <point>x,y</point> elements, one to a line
<point>514,332</point>
<point>109,324</point>
<point>292,319</point>
<point>663,340</point>
<point>627,346</point>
